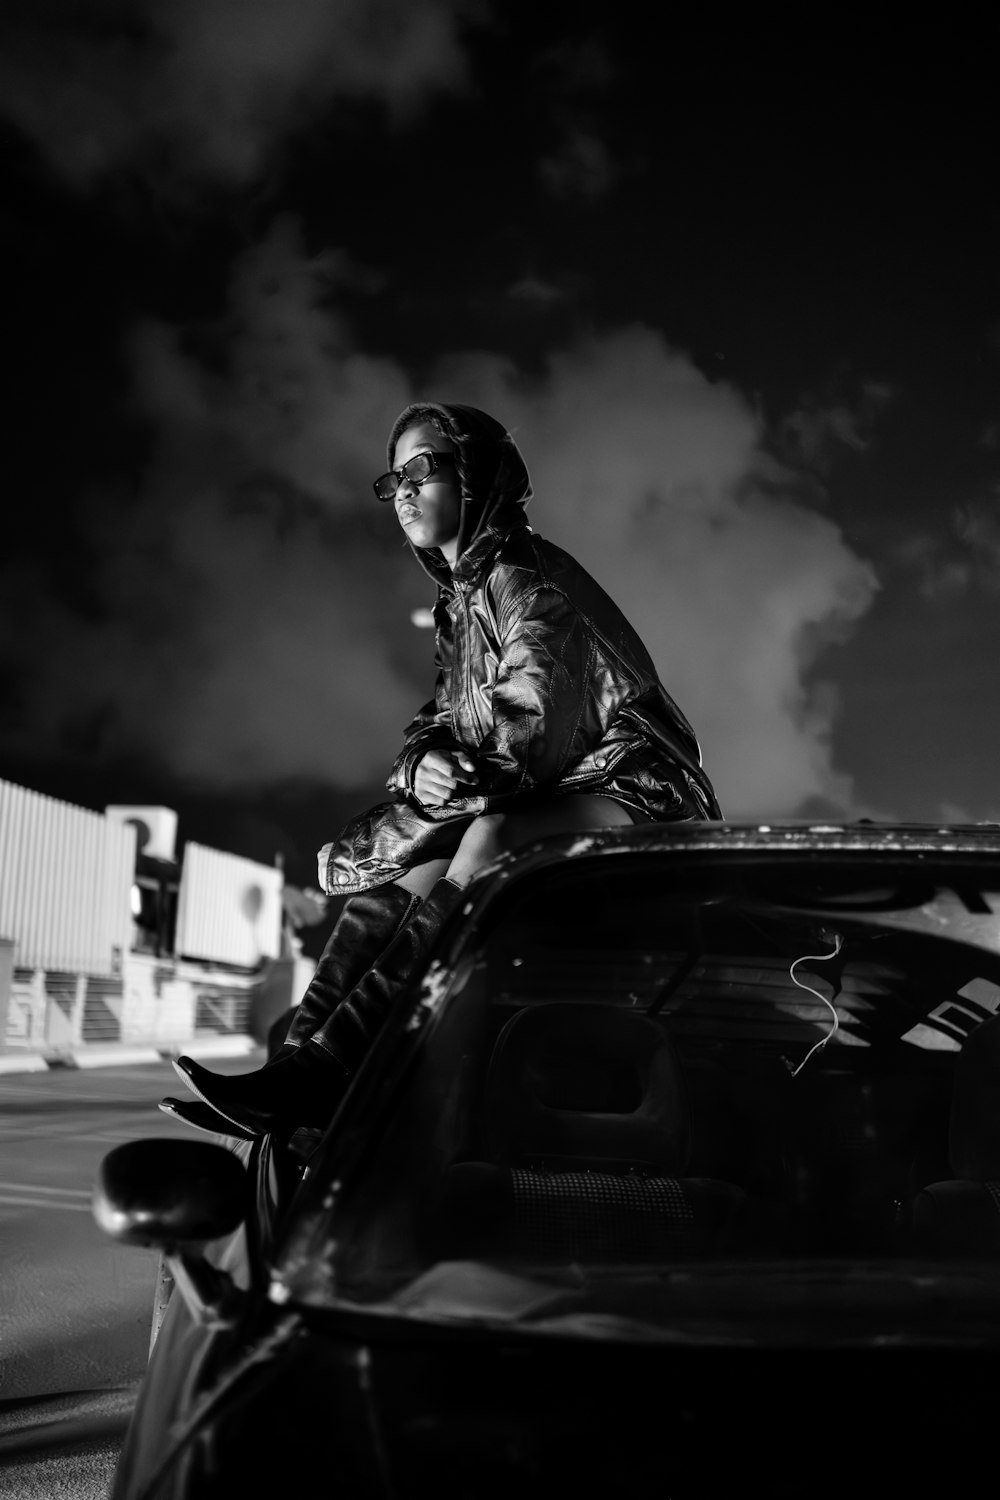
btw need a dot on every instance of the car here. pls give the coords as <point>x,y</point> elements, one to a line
<point>675,1173</point>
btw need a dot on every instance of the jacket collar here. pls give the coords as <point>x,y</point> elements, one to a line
<point>475,560</point>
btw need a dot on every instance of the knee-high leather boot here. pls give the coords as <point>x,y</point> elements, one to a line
<point>304,1087</point>
<point>366,925</point>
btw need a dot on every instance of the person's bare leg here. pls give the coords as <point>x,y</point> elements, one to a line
<point>494,834</point>
<point>420,881</point>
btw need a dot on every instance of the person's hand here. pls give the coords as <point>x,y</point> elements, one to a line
<point>441,773</point>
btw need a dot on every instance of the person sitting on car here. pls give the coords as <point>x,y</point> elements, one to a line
<point>548,716</point>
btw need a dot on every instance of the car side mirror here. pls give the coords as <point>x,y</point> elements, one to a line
<point>175,1196</point>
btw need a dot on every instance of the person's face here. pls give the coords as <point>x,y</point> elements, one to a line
<point>429,512</point>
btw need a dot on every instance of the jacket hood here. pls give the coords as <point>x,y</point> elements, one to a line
<point>494,481</point>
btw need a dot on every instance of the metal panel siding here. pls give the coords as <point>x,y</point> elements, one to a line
<point>14,891</point>
<point>65,877</point>
<point>228,908</point>
<point>111,908</point>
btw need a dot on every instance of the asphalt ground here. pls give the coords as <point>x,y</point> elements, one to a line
<point>76,1309</point>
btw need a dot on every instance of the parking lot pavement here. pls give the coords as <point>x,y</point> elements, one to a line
<point>122,1054</point>
<point>65,1444</point>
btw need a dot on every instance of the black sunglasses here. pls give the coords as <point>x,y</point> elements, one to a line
<point>416,469</point>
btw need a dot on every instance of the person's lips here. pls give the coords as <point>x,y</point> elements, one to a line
<point>408,513</point>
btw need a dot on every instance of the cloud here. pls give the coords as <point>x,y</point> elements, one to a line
<point>538,291</point>
<point>963,556</point>
<point>581,167</point>
<point>656,479</point>
<point>255,602</point>
<point>241,634</point>
<point>977,526</point>
<point>203,91</point>
<point>815,433</point>
<point>291,402</point>
<point>575,78</point>
<point>577,68</point>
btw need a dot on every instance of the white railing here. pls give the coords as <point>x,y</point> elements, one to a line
<point>228,908</point>
<point>65,879</point>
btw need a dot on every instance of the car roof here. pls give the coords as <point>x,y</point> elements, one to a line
<point>947,850</point>
<point>979,840</point>
<point>796,834</point>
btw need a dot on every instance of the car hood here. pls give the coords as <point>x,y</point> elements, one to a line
<point>773,1304</point>
<point>377,1404</point>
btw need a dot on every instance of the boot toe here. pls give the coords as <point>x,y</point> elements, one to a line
<point>202,1116</point>
<point>232,1098</point>
<point>192,1073</point>
<point>301,1089</point>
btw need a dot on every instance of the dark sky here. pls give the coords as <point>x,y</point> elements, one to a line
<point>734,290</point>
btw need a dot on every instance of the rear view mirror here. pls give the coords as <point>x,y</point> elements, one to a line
<point>174,1196</point>
<point>165,1193</point>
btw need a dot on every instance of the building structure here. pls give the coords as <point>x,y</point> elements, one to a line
<point>107,938</point>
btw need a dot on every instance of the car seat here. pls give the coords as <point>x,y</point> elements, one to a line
<point>588,1137</point>
<point>858,1145</point>
<point>962,1216</point>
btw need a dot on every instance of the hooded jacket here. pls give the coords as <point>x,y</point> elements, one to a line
<point>540,678</point>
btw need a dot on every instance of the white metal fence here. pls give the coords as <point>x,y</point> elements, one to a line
<point>72,972</point>
<point>65,880</point>
<point>228,908</point>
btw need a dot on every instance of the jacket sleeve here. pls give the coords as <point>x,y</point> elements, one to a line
<point>546,713</point>
<point>429,730</point>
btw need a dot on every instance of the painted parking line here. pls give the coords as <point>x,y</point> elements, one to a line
<point>70,1127</point>
<point>107,1141</point>
<point>37,1187</point>
<point>11,1138</point>
<point>119,1138</point>
<point>8,1201</point>
<point>36,1195</point>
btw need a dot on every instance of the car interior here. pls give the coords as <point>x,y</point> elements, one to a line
<point>629,1075</point>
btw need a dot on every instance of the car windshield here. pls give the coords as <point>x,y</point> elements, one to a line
<point>667,1094</point>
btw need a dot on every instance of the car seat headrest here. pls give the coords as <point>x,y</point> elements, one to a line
<point>575,1086</point>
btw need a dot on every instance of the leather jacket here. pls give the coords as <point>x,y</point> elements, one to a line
<point>542,680</point>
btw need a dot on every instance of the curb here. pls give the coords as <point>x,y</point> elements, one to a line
<point>120,1055</point>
